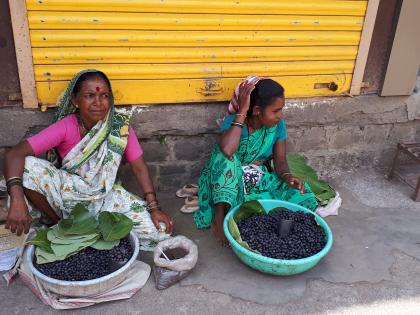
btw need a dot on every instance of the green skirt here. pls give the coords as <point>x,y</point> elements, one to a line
<point>221,181</point>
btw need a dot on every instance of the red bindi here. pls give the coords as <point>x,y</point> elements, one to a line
<point>97,89</point>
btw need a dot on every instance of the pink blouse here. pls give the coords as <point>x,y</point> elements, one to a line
<point>64,135</point>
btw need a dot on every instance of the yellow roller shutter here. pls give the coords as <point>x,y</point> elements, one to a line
<point>192,51</point>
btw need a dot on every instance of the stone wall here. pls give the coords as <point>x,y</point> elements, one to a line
<point>335,134</point>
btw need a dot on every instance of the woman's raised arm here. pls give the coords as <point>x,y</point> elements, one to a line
<point>229,140</point>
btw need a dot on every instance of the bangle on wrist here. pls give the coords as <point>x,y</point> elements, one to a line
<point>151,209</point>
<point>152,205</point>
<point>238,124</point>
<point>241,115</point>
<point>13,181</point>
<point>153,202</point>
<point>13,178</point>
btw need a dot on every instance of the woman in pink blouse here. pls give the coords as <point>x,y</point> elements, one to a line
<point>85,146</point>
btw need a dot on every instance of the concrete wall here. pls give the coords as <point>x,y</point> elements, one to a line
<point>335,134</point>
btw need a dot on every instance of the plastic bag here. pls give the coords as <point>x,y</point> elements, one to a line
<point>331,208</point>
<point>181,257</point>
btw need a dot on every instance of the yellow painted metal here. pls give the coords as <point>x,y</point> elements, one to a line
<point>197,90</point>
<point>151,21</point>
<point>290,7</point>
<point>98,55</point>
<point>195,71</point>
<point>66,38</point>
<point>195,50</point>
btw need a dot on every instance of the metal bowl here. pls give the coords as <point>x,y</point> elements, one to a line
<point>86,287</point>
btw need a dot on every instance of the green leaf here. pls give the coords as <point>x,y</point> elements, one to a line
<point>55,237</point>
<point>69,249</point>
<point>80,221</point>
<point>43,257</point>
<point>41,240</point>
<point>114,225</point>
<point>105,245</point>
<point>248,209</point>
<point>299,168</point>
<point>233,229</point>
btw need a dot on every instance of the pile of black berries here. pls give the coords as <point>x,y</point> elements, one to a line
<point>89,263</point>
<point>261,232</point>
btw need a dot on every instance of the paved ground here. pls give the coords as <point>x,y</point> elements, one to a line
<point>373,268</point>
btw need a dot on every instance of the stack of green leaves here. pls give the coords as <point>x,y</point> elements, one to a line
<point>80,230</point>
<point>300,168</point>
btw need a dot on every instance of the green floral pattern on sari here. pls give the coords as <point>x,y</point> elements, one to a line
<point>221,179</point>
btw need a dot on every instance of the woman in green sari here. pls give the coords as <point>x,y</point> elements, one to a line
<point>237,171</point>
<point>87,143</point>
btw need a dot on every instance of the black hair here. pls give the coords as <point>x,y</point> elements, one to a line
<point>89,76</point>
<point>266,92</point>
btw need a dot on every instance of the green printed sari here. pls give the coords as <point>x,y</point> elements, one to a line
<point>221,179</point>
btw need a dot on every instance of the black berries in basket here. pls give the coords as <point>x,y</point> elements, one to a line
<point>265,234</point>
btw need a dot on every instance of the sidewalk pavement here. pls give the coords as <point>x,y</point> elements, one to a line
<point>373,267</point>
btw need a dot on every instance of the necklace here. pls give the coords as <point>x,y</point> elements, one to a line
<point>83,129</point>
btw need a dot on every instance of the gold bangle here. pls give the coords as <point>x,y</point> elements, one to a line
<point>242,115</point>
<point>150,209</point>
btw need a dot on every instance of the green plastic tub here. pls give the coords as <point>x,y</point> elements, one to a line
<point>278,267</point>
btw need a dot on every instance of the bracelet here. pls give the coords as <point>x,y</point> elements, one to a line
<point>14,181</point>
<point>242,115</point>
<point>150,209</point>
<point>238,124</point>
<point>152,202</point>
<point>11,178</point>
<point>148,193</point>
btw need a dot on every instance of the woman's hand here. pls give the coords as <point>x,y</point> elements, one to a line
<point>295,183</point>
<point>18,220</point>
<point>245,90</point>
<point>158,216</point>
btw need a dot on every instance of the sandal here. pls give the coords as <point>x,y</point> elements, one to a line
<point>187,191</point>
<point>188,209</point>
<point>191,201</point>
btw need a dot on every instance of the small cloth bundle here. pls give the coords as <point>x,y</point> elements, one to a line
<point>174,259</point>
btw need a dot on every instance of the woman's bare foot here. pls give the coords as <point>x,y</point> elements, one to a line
<point>217,229</point>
